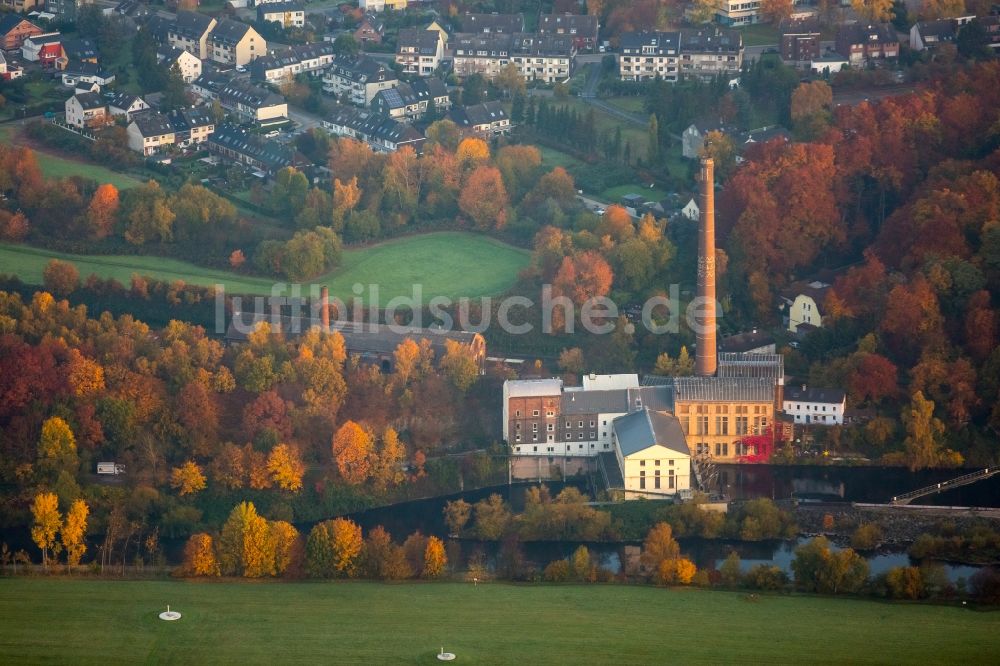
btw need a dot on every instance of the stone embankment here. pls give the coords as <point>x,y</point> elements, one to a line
<point>899,524</point>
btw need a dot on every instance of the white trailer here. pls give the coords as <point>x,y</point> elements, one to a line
<point>110,468</point>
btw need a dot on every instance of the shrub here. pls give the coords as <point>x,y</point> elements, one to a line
<point>866,537</point>
<point>557,571</point>
<point>905,583</point>
<point>765,577</point>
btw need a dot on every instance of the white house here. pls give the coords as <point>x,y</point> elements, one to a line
<point>86,109</point>
<point>86,72</point>
<point>691,210</point>
<point>150,131</point>
<point>288,14</point>
<point>188,64</point>
<point>124,104</point>
<point>815,406</point>
<point>652,454</point>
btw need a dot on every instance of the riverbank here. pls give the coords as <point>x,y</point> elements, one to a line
<point>85,622</point>
<point>900,525</point>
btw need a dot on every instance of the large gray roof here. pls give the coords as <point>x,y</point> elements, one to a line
<point>810,394</point>
<point>493,23</point>
<point>739,364</point>
<point>595,402</point>
<point>640,430</point>
<point>723,389</point>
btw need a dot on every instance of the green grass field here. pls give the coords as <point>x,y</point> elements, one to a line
<point>551,158</point>
<point>57,166</point>
<point>101,622</point>
<point>630,104</point>
<point>449,264</point>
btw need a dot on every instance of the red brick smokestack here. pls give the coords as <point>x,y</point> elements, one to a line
<point>706,357</point>
<point>324,308</point>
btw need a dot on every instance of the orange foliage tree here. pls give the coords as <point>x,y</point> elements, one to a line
<point>352,449</point>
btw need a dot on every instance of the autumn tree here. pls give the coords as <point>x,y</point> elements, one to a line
<point>659,546</point>
<point>14,227</point>
<point>873,379</point>
<point>435,558</point>
<point>405,359</point>
<point>187,479</point>
<point>198,412</point>
<point>237,259</point>
<point>352,450</point>
<point>228,468</point>
<point>484,198</point>
<point>923,436</point>
<point>879,11</point>
<point>572,361</point>
<point>333,548</point>
<point>382,559</point>
<point>931,10</point>
<point>85,376</point>
<point>721,148</point>
<point>288,548</point>
<point>346,197</point>
<point>57,447</point>
<point>471,151</point>
<point>811,104</point>
<point>444,133</point>
<point>60,277</point>
<point>102,212</point>
<point>199,556</point>
<point>245,545</point>
<point>459,365</point>
<point>776,10</point>
<point>146,214</point>
<point>74,532</point>
<point>682,366</point>
<point>285,467</point>
<point>387,462</point>
<point>582,277</point>
<point>47,521</point>
<point>456,515</point>
<point>492,517</point>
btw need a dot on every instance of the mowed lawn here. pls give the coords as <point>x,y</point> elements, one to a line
<point>56,166</point>
<point>102,622</point>
<point>616,193</point>
<point>451,264</point>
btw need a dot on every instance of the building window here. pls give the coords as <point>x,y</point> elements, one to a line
<point>550,427</point>
<point>567,435</point>
<point>568,424</point>
<point>702,425</point>
<point>534,427</point>
<point>670,480</point>
<point>534,412</point>
<point>656,480</point>
<point>657,463</point>
<point>721,425</point>
<point>642,480</point>
<point>642,463</point>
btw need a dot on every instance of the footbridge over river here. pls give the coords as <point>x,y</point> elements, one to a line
<point>957,482</point>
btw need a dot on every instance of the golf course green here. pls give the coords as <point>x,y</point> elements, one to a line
<point>447,263</point>
<point>82,621</point>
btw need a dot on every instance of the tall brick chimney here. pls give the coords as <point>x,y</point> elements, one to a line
<point>324,308</point>
<point>706,357</point>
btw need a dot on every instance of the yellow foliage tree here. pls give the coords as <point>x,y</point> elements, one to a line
<point>937,9</point>
<point>188,478</point>
<point>347,542</point>
<point>287,547</point>
<point>660,545</point>
<point>873,10</point>
<point>387,461</point>
<point>352,449</point>
<point>405,360</point>
<point>459,365</point>
<point>472,150</point>
<point>73,532</point>
<point>285,467</point>
<point>199,556</point>
<point>435,558</point>
<point>57,446</point>
<point>255,463</point>
<point>245,546</point>
<point>45,511</point>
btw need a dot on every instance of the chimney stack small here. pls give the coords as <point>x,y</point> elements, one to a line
<point>324,308</point>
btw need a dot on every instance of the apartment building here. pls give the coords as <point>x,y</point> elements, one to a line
<point>189,32</point>
<point>419,51</point>
<point>235,43</point>
<point>357,79</point>
<point>278,68</point>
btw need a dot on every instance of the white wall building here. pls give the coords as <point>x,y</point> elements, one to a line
<point>652,454</point>
<point>815,406</point>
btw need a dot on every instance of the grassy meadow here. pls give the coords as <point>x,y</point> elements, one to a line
<point>451,264</point>
<point>105,622</point>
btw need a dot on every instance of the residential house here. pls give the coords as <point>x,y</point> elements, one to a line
<point>582,29</point>
<point>740,12</point>
<point>546,58</point>
<point>357,79</point>
<point>253,103</point>
<point>288,14</point>
<point>381,133</point>
<point>86,72</point>
<point>830,62</point>
<point>480,53</point>
<point>159,28</point>
<point>419,51</point>
<point>14,29</point>
<point>66,10</point>
<point>647,55</point>
<point>238,145</point>
<point>86,110</point>
<point>191,126</point>
<point>235,43</point>
<point>690,210</point>
<point>486,120</point>
<point>652,454</point>
<point>709,52</point>
<point>371,29</point>
<point>282,67</point>
<point>189,32</point>
<point>9,70</point>
<point>749,342</point>
<point>208,85</point>
<point>45,49</point>
<point>503,24</point>
<point>133,9</point>
<point>125,104</point>
<point>928,34</point>
<point>864,42</point>
<point>21,6</point>
<point>716,413</point>
<point>800,39</point>
<point>149,132</point>
<point>693,137</point>
<point>80,49</point>
<point>437,27</point>
<point>382,5</point>
<point>801,304</point>
<point>188,64</point>
<point>815,406</point>
<point>412,102</point>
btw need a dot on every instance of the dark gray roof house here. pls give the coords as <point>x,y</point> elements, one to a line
<point>425,41</point>
<point>229,32</point>
<point>191,25</point>
<point>493,23</point>
<point>816,395</point>
<point>645,428</point>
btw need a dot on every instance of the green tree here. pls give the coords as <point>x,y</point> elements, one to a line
<point>731,571</point>
<point>492,518</point>
<point>923,435</point>
<point>147,215</point>
<point>653,140</point>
